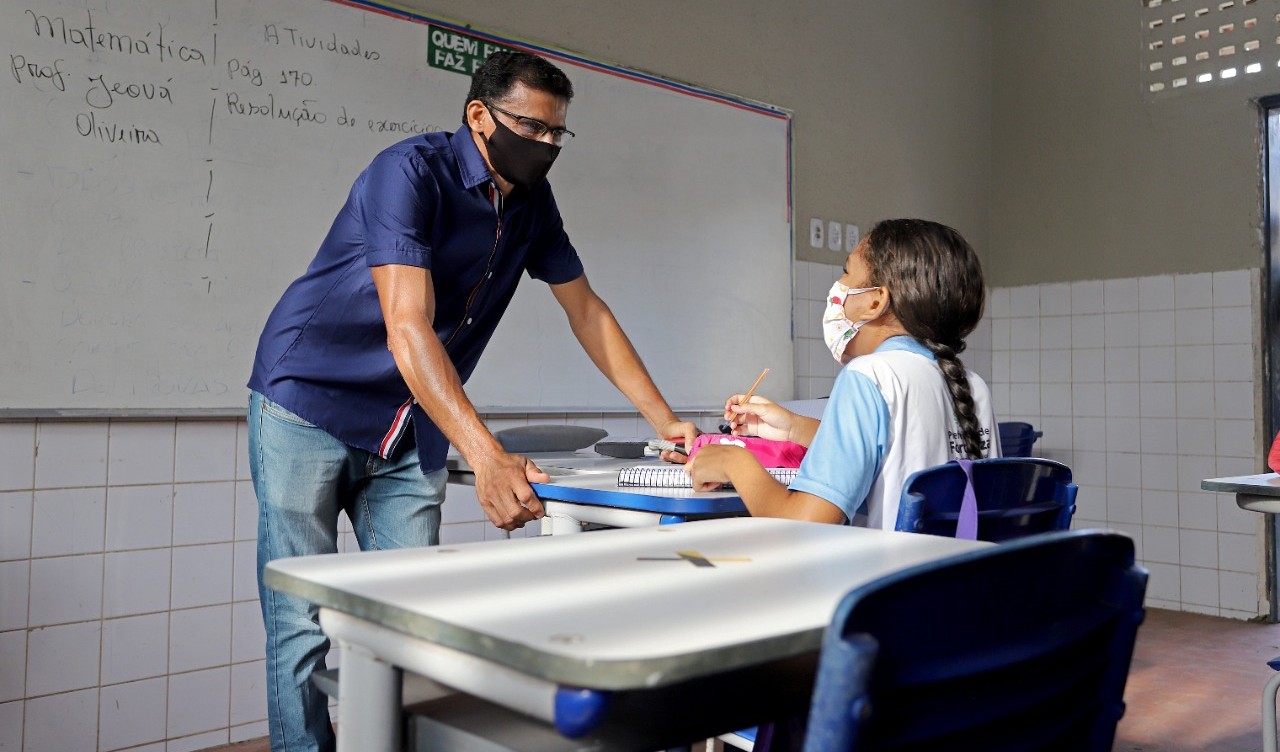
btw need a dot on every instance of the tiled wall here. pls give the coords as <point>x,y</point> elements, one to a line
<point>128,607</point>
<point>1145,387</point>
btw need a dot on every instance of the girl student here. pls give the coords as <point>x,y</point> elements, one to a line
<point>896,319</point>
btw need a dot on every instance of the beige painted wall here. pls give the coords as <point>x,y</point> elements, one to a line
<point>1090,180</point>
<point>891,97</point>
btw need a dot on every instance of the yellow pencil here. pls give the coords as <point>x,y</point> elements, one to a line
<point>728,427</point>
<point>747,397</point>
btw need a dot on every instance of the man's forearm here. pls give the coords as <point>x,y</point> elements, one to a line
<point>435,384</point>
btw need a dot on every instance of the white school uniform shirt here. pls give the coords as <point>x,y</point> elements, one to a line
<point>889,415</point>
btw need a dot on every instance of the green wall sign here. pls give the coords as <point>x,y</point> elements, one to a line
<point>453,51</point>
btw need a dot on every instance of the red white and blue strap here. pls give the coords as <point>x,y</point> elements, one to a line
<point>397,430</point>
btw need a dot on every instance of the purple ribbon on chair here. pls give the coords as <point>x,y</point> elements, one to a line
<point>967,524</point>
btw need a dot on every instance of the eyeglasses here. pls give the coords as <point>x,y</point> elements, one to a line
<point>532,127</point>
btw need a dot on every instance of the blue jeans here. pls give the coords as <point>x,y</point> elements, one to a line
<point>303,477</point>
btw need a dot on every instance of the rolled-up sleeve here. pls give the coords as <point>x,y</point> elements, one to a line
<point>398,199</point>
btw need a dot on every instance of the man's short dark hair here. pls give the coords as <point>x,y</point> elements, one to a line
<point>501,71</point>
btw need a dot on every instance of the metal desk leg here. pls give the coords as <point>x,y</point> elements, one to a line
<point>557,520</point>
<point>1269,714</point>
<point>369,703</point>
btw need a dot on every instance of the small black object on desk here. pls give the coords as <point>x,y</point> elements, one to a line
<point>623,449</point>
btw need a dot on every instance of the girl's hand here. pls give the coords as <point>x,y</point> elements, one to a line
<point>758,417</point>
<point>710,469</point>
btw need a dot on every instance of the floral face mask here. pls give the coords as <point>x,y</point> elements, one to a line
<point>837,329</point>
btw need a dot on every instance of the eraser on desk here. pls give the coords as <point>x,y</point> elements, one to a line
<point>625,449</point>
<point>663,445</point>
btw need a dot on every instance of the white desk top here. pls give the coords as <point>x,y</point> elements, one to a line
<point>640,607</point>
<point>1266,484</point>
<point>1255,493</point>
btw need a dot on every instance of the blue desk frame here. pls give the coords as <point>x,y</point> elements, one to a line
<point>596,498</point>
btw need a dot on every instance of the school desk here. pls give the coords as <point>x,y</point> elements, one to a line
<point>584,490</point>
<point>716,623</point>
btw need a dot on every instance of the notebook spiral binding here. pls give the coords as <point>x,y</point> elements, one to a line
<point>674,476</point>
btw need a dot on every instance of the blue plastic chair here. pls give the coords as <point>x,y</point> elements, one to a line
<point>1023,646</point>
<point>1017,438</point>
<point>1016,497</point>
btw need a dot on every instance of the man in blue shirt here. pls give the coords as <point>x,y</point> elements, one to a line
<point>356,391</point>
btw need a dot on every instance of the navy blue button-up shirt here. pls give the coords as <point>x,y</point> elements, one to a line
<point>427,201</point>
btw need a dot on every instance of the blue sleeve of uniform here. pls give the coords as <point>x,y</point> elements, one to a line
<point>845,457</point>
<point>397,200</point>
<point>553,259</point>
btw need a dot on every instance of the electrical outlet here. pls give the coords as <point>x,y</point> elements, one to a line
<point>850,238</point>
<point>815,233</point>
<point>833,236</point>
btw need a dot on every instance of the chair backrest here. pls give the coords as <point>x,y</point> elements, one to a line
<point>1016,497</point>
<point>1024,646</point>
<point>1017,438</point>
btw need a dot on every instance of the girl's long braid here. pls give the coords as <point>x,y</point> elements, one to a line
<point>961,398</point>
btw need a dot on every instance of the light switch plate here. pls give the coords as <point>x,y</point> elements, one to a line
<point>833,236</point>
<point>850,238</point>
<point>815,232</point>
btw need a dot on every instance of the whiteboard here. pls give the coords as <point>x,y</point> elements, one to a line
<point>171,165</point>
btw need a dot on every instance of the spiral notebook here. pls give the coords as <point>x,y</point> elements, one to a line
<point>674,476</point>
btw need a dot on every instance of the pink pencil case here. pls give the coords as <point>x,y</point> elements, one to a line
<point>770,453</point>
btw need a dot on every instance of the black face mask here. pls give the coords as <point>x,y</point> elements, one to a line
<point>522,161</point>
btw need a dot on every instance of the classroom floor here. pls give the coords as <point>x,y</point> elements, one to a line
<point>1194,686</point>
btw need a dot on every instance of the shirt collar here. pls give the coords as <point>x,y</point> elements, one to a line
<point>470,163</point>
<point>905,343</point>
